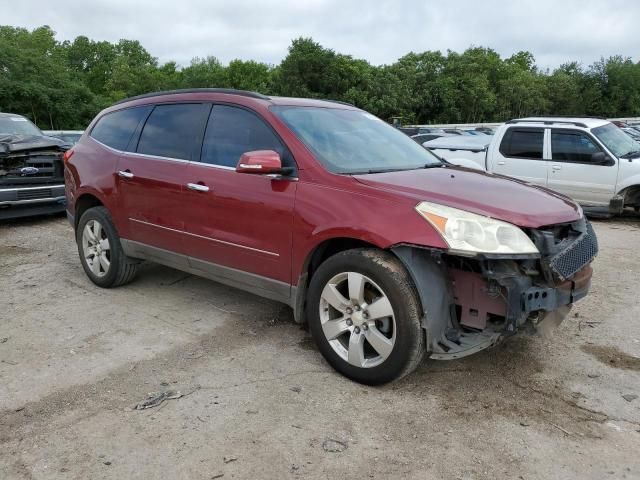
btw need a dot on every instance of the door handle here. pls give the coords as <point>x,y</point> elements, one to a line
<point>125,174</point>
<point>197,187</point>
<point>556,167</point>
<point>501,162</point>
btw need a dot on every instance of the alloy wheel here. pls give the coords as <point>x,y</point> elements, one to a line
<point>96,249</point>
<point>357,319</point>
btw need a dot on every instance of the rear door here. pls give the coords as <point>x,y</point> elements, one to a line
<point>152,175</point>
<point>239,225</point>
<point>572,171</point>
<point>521,155</point>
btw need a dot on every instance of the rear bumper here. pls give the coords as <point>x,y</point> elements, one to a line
<point>25,201</point>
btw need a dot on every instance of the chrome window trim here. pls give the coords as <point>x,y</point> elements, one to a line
<point>171,159</point>
<point>42,187</point>
<point>266,252</point>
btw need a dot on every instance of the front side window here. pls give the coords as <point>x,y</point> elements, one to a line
<point>232,131</point>
<point>572,147</point>
<point>174,131</point>
<point>523,143</point>
<point>354,141</point>
<point>115,129</point>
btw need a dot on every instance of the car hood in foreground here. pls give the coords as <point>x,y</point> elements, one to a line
<point>494,196</point>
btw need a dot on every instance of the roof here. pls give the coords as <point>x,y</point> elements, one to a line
<point>588,122</point>
<point>3,114</point>
<point>306,102</point>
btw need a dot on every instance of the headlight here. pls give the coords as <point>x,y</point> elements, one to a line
<point>467,232</point>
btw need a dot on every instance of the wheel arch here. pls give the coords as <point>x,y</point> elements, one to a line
<point>84,203</point>
<point>631,195</point>
<point>323,250</point>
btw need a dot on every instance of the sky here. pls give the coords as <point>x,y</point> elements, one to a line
<point>379,31</point>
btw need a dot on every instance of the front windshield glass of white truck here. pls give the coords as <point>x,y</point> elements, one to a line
<point>354,141</point>
<point>618,142</point>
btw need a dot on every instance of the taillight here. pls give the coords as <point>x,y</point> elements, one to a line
<point>67,155</point>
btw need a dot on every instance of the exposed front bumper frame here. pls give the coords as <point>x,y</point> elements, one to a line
<point>445,339</point>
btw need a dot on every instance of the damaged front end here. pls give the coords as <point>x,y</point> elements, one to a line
<point>471,303</point>
<point>31,176</point>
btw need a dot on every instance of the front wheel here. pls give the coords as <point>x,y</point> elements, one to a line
<point>365,316</point>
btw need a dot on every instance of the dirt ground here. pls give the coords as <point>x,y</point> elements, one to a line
<point>260,402</point>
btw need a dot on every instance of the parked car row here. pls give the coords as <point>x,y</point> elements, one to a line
<point>386,251</point>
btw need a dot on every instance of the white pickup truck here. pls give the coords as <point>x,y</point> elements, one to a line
<point>588,159</point>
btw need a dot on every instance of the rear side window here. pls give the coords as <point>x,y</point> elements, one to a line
<point>232,131</point>
<point>116,129</point>
<point>174,131</point>
<point>572,147</point>
<point>523,143</point>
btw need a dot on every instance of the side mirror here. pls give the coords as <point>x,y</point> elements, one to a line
<point>601,158</point>
<point>260,162</point>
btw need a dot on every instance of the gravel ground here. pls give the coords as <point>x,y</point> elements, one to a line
<point>260,402</point>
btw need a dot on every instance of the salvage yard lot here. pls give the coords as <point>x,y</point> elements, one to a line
<point>260,402</point>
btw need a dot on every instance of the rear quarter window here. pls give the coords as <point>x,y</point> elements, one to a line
<point>115,129</point>
<point>523,143</point>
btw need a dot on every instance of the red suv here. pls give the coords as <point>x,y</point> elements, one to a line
<point>386,251</point>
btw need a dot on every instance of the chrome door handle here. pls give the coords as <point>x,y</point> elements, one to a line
<point>556,167</point>
<point>197,187</point>
<point>501,162</point>
<point>125,174</point>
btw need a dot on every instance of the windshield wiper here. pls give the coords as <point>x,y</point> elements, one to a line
<point>634,153</point>
<point>434,165</point>
<point>381,170</point>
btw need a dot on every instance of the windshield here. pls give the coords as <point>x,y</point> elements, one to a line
<point>18,126</point>
<point>353,141</point>
<point>618,142</point>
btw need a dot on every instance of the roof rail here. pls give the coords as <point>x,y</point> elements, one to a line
<point>228,91</point>
<point>337,101</point>
<point>548,122</point>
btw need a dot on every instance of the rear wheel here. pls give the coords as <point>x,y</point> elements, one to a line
<point>365,317</point>
<point>101,253</point>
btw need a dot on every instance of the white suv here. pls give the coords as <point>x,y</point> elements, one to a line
<point>588,159</point>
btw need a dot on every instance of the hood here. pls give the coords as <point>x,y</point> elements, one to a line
<point>10,143</point>
<point>486,194</point>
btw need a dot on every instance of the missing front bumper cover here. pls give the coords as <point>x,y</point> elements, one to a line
<point>469,309</point>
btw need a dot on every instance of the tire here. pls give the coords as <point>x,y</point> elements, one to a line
<point>393,345</point>
<point>118,269</point>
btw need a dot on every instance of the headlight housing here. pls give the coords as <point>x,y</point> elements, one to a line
<point>469,233</point>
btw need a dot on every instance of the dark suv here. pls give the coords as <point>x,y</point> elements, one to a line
<point>31,169</point>
<point>387,252</point>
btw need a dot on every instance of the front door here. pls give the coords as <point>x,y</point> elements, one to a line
<point>239,225</point>
<point>521,155</point>
<point>573,173</point>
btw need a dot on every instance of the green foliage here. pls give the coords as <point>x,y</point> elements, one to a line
<point>64,84</point>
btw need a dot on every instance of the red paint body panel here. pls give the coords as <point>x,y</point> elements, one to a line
<point>270,227</point>
<point>152,203</point>
<point>249,216</point>
<point>95,178</point>
<point>479,192</point>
